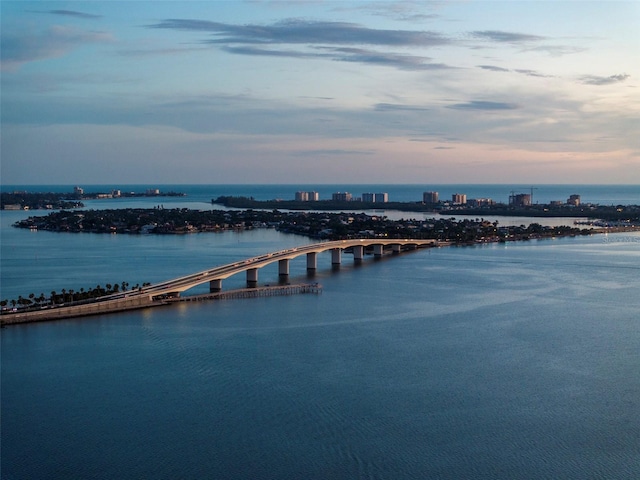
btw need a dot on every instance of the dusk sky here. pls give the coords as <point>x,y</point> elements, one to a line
<point>218,92</point>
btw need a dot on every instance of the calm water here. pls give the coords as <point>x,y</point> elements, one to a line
<point>501,361</point>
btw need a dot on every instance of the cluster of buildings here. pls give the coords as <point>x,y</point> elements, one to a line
<point>433,198</point>
<point>343,197</point>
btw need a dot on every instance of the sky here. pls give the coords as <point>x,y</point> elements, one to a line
<point>308,92</point>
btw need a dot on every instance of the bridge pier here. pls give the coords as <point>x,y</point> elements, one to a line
<point>396,248</point>
<point>378,250</point>
<point>358,253</point>
<point>312,261</point>
<point>215,286</point>
<point>283,267</point>
<point>252,277</point>
<point>336,256</point>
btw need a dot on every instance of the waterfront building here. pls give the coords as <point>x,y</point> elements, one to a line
<point>429,197</point>
<point>341,197</point>
<point>368,197</point>
<point>520,199</point>
<point>307,196</point>
<point>480,202</point>
<point>78,190</point>
<point>381,197</point>
<point>153,191</point>
<point>116,193</point>
<point>459,199</point>
<point>573,200</point>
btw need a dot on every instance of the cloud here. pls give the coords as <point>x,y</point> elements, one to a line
<point>297,31</point>
<point>556,50</point>
<point>522,71</point>
<point>403,62</point>
<point>73,13</point>
<point>506,37</point>
<point>596,80</point>
<point>328,40</point>
<point>331,152</point>
<point>392,107</point>
<point>493,68</point>
<point>345,54</point>
<point>532,73</point>
<point>57,41</point>
<point>484,105</point>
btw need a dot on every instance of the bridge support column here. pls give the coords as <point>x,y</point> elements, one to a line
<point>378,249</point>
<point>397,248</point>
<point>283,267</point>
<point>215,286</point>
<point>252,277</point>
<point>312,261</point>
<point>358,253</point>
<point>336,256</point>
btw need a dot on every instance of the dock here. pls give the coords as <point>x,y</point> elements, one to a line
<point>266,291</point>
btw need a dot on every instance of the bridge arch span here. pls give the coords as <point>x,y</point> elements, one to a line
<point>216,275</point>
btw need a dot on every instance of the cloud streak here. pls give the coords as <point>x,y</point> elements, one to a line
<point>57,41</point>
<point>597,80</point>
<point>506,37</point>
<point>484,105</point>
<point>296,31</point>
<point>74,13</point>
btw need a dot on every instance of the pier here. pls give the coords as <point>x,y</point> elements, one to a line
<point>267,291</point>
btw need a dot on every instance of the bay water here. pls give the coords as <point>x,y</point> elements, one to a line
<point>516,360</point>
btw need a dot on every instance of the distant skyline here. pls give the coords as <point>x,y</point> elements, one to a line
<point>310,92</point>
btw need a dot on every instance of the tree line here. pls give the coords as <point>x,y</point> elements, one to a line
<point>70,296</point>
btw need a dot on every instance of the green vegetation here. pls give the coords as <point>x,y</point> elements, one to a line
<point>66,297</point>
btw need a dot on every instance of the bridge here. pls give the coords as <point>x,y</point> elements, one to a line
<point>167,291</point>
<point>251,266</point>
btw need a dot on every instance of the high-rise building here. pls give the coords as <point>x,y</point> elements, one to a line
<point>381,197</point>
<point>307,196</point>
<point>341,197</point>
<point>459,198</point>
<point>368,197</point>
<point>573,200</point>
<point>429,197</point>
<point>520,199</point>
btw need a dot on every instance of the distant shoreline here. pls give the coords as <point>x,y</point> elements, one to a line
<point>611,213</point>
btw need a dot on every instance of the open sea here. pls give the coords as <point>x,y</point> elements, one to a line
<point>501,361</point>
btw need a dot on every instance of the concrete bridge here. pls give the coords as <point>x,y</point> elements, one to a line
<point>166,292</point>
<point>251,266</point>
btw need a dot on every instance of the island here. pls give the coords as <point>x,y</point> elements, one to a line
<point>23,200</point>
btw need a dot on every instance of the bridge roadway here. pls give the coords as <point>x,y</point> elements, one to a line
<point>216,275</point>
